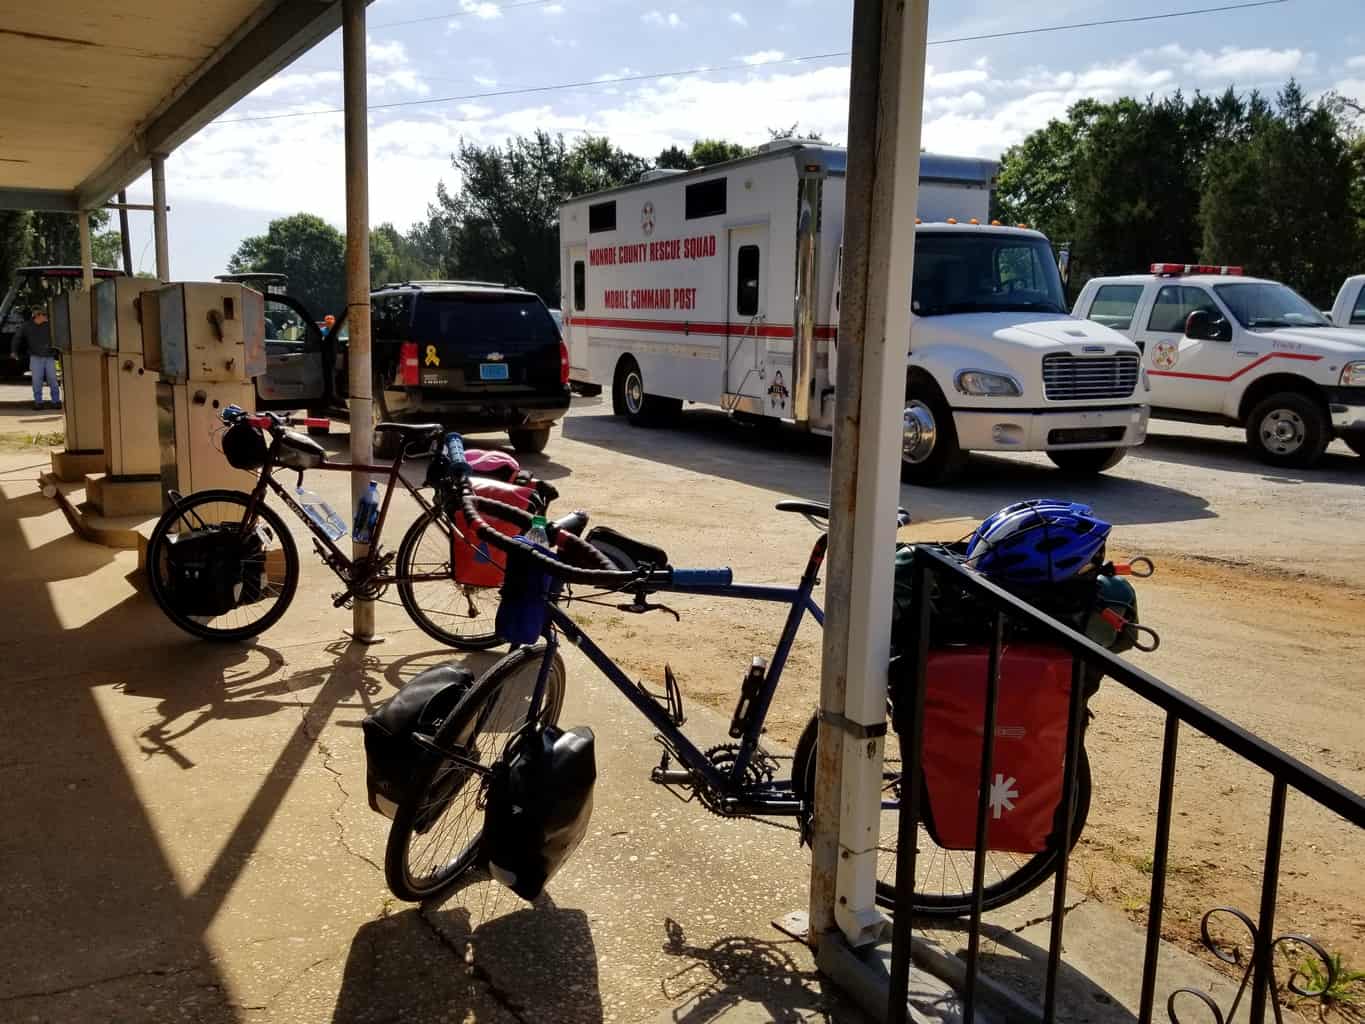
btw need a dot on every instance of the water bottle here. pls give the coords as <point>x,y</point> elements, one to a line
<point>321,513</point>
<point>536,534</point>
<point>366,512</point>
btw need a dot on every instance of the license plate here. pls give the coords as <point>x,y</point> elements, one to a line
<point>492,371</point>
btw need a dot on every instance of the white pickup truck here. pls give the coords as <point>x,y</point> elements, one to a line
<point>1349,309</point>
<point>1220,347</point>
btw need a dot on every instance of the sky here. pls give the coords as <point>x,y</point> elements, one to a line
<point>443,70</point>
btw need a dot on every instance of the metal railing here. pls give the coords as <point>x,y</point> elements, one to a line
<point>1285,772</point>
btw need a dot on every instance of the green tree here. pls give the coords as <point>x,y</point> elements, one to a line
<point>1280,200</point>
<point>703,153</point>
<point>54,240</point>
<point>503,223</point>
<point>397,257</point>
<point>13,243</point>
<point>309,250</point>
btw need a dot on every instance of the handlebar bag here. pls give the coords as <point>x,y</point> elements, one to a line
<point>244,446</point>
<point>626,552</point>
<point>396,767</point>
<point>539,806</point>
<point>204,570</point>
<point>299,451</point>
<point>475,562</point>
<point>1030,746</point>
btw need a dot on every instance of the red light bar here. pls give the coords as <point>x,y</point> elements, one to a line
<point>1195,268</point>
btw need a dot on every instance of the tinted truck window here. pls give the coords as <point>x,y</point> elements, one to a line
<point>483,319</point>
<point>389,318</point>
<point>1114,305</point>
<point>1173,306</point>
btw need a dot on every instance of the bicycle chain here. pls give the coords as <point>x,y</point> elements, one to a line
<point>760,769</point>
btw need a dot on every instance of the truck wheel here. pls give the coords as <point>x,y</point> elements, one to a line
<point>1288,429</point>
<point>385,445</point>
<point>1088,460</point>
<point>529,440</point>
<point>629,398</point>
<point>929,450</point>
<point>1355,442</point>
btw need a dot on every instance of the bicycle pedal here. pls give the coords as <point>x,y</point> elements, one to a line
<point>342,601</point>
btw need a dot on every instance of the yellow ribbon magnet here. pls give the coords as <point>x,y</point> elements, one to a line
<point>432,358</point>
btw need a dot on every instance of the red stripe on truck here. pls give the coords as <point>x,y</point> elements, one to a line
<point>697,327</point>
<point>1245,369</point>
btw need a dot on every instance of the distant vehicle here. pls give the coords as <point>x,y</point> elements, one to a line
<point>1349,308</point>
<point>32,287</point>
<point>721,285</point>
<point>1221,347</point>
<point>470,355</point>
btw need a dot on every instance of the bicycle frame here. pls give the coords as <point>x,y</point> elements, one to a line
<point>730,784</point>
<point>341,563</point>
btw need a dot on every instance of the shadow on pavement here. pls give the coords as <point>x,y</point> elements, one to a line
<point>794,463</point>
<point>1234,456</point>
<point>739,970</point>
<point>535,963</point>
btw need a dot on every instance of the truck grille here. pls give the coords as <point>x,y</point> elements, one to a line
<point>1068,378</point>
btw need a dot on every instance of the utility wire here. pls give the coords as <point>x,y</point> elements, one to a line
<point>744,66</point>
<point>465,13</point>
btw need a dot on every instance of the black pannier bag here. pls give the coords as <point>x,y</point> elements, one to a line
<point>244,446</point>
<point>539,805</point>
<point>204,570</point>
<point>396,767</point>
<point>253,566</point>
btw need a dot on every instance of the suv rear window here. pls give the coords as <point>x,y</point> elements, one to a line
<point>477,318</point>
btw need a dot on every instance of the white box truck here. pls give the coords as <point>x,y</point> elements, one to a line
<point>720,286</point>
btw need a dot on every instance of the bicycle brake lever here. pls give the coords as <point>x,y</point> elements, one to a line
<point>640,606</point>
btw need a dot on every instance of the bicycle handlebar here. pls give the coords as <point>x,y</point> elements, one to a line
<point>271,421</point>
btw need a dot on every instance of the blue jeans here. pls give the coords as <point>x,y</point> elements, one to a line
<point>44,368</point>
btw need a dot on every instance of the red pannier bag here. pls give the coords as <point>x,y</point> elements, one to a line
<point>1030,745</point>
<point>475,564</point>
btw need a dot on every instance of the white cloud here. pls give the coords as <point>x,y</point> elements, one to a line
<point>485,81</point>
<point>1254,64</point>
<point>738,19</point>
<point>950,81</point>
<point>1351,88</point>
<point>563,44</point>
<point>763,57</point>
<point>391,52</point>
<point>552,9</point>
<point>481,9</point>
<point>1356,62</point>
<point>296,81</point>
<point>669,20</point>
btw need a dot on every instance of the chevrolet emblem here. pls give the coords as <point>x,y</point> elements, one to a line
<point>495,356</point>
<point>432,358</point>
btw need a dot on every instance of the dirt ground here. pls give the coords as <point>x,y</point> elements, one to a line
<point>1258,598</point>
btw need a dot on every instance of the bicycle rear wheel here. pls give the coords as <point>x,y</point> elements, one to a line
<point>446,610</point>
<point>435,838</point>
<point>269,566</point>
<point>943,877</point>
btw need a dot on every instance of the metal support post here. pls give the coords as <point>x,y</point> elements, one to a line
<point>125,242</point>
<point>87,265</point>
<point>163,252</point>
<point>358,272</point>
<point>885,98</point>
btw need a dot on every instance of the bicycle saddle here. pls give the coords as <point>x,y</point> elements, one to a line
<point>412,431</point>
<point>820,510</point>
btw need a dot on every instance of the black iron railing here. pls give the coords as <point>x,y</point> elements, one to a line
<point>1285,772</point>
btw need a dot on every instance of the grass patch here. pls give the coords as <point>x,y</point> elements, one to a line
<point>25,440</point>
<point>1345,994</point>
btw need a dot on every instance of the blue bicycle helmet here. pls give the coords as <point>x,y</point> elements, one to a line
<point>1043,540</point>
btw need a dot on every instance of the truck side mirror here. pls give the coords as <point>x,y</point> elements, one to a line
<point>1199,326</point>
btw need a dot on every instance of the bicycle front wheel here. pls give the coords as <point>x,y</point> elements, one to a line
<point>266,574</point>
<point>435,838</point>
<point>943,877</point>
<point>446,610</point>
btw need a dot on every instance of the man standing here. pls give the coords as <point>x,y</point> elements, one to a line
<point>36,336</point>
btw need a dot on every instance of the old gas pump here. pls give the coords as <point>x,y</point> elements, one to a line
<point>212,341</point>
<point>83,401</point>
<point>131,483</point>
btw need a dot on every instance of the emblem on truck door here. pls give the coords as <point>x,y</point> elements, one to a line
<point>647,218</point>
<point>1165,354</point>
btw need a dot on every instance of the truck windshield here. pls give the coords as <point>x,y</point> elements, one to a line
<point>984,272</point>
<point>1269,304</point>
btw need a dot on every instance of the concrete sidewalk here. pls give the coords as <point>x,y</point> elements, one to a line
<point>187,835</point>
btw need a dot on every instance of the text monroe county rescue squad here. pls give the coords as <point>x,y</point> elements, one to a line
<point>694,248</point>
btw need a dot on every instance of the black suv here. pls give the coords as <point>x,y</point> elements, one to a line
<point>470,355</point>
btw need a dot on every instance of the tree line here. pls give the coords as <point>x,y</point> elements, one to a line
<point>1275,186</point>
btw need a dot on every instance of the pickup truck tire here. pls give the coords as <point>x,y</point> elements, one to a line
<point>1355,442</point>
<point>1288,429</point>
<point>629,398</point>
<point>1087,460</point>
<point>929,449</point>
<point>529,440</point>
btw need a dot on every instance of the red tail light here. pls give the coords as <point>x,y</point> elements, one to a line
<point>407,363</point>
<point>563,363</point>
